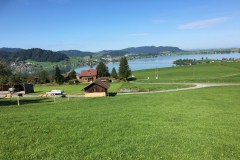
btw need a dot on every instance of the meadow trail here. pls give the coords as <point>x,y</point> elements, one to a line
<point>195,86</point>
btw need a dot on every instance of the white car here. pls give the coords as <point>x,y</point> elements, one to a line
<point>55,92</point>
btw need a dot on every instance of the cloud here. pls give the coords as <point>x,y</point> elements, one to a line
<point>138,34</point>
<point>203,23</point>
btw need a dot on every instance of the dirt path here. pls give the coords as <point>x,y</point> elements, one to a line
<point>195,86</point>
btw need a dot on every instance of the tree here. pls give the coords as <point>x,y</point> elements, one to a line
<point>14,79</point>
<point>43,77</point>
<point>4,69</point>
<point>102,70</point>
<point>72,75</point>
<point>58,77</point>
<point>4,72</point>
<point>124,70</point>
<point>114,73</point>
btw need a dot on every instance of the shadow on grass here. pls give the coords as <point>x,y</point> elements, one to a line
<point>132,79</point>
<point>13,101</point>
<point>112,94</point>
<point>37,92</point>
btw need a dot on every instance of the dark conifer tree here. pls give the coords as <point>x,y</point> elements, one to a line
<point>72,75</point>
<point>102,70</point>
<point>124,70</point>
<point>114,73</point>
<point>58,77</point>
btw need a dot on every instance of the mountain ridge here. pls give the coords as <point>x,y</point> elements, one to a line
<point>33,53</point>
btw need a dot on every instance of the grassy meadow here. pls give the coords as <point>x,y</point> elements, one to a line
<point>114,87</point>
<point>194,124</point>
<point>218,72</point>
<point>68,89</point>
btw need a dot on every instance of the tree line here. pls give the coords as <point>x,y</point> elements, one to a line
<point>123,73</point>
<point>184,62</point>
<point>43,77</point>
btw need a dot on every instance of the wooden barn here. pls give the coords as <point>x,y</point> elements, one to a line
<point>96,89</point>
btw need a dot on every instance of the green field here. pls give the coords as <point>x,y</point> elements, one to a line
<point>68,89</point>
<point>196,124</point>
<point>214,72</point>
<point>114,87</point>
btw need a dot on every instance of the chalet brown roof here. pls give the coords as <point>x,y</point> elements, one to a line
<point>89,73</point>
<point>101,83</point>
<point>98,82</point>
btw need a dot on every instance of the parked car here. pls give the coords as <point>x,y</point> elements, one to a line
<point>56,92</point>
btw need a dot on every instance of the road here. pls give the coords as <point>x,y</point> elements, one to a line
<point>195,86</point>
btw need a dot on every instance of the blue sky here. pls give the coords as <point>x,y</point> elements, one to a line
<point>94,25</point>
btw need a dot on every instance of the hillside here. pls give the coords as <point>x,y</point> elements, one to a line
<point>144,50</point>
<point>152,49</point>
<point>76,53</point>
<point>34,54</point>
<point>217,72</point>
<point>11,50</point>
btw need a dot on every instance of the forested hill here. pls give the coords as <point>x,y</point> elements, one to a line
<point>11,50</point>
<point>144,50</point>
<point>76,53</point>
<point>34,54</point>
<point>152,49</point>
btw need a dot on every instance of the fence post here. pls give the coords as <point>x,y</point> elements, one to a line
<point>18,100</point>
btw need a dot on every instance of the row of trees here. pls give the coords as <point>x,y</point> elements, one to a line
<point>6,76</point>
<point>123,73</point>
<point>44,77</point>
<point>184,62</point>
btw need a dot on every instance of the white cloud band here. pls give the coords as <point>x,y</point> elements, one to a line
<point>203,23</point>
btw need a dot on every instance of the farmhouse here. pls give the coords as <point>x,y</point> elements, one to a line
<point>87,76</point>
<point>96,89</point>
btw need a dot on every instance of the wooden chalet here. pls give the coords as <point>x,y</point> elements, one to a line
<point>88,76</point>
<point>96,89</point>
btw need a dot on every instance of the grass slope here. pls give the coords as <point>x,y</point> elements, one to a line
<point>214,72</point>
<point>197,124</point>
<point>68,89</point>
<point>114,87</point>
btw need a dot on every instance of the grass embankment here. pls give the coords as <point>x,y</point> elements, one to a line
<point>114,87</point>
<point>51,65</point>
<point>146,87</point>
<point>196,124</point>
<point>68,89</point>
<point>215,72</point>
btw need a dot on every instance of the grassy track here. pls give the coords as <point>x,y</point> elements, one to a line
<point>197,124</point>
<point>214,72</point>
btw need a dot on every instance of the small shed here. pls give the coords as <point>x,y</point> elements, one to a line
<point>96,89</point>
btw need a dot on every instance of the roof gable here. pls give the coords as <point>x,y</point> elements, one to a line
<point>99,83</point>
<point>88,73</point>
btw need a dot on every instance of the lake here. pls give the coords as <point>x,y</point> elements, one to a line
<point>163,61</point>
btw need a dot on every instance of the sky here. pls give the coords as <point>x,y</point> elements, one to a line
<point>95,25</point>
